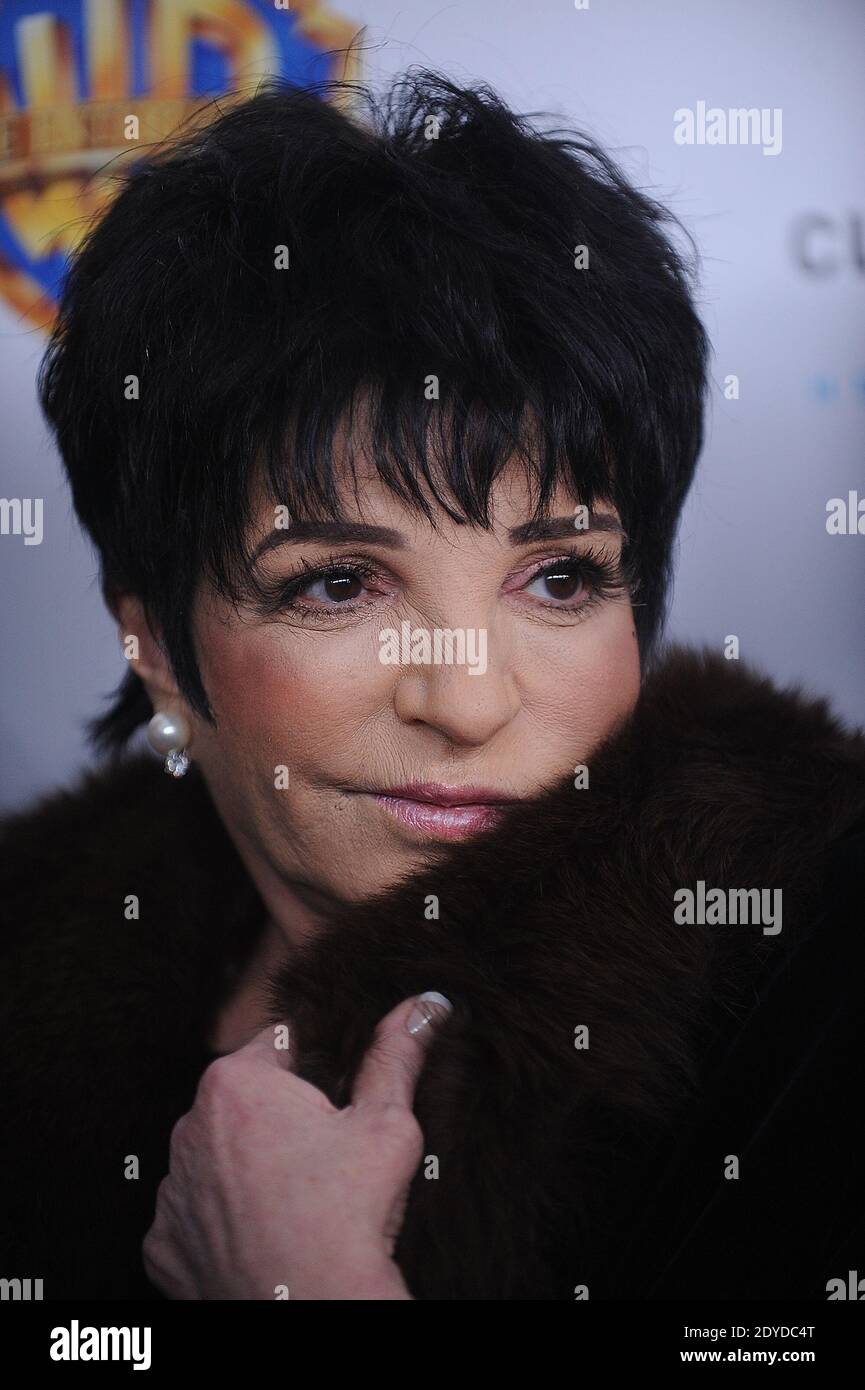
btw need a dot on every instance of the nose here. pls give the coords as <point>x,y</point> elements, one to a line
<point>465,708</point>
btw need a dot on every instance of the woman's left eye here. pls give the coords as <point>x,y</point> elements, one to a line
<point>563,580</point>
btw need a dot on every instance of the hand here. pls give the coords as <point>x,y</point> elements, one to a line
<point>271,1188</point>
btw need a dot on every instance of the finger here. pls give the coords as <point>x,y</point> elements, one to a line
<point>389,1072</point>
<point>271,1045</point>
<point>268,1048</point>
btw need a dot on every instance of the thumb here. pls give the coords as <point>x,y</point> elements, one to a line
<point>389,1072</point>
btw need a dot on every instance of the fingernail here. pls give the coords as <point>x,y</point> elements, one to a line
<point>430,1007</point>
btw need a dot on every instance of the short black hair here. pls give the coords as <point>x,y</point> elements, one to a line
<point>430,231</point>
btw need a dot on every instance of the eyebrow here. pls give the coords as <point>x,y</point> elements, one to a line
<point>543,529</point>
<point>559,528</point>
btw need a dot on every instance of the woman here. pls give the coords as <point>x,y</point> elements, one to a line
<point>475,947</point>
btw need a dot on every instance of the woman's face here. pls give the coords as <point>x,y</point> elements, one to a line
<point>337,688</point>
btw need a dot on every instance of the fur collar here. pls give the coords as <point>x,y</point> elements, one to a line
<point>562,918</point>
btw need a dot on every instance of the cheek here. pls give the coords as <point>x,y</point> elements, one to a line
<point>586,686</point>
<point>275,688</point>
<point>614,676</point>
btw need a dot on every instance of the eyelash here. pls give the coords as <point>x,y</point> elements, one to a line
<point>603,574</point>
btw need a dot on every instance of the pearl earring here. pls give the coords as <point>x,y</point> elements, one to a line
<point>169,734</point>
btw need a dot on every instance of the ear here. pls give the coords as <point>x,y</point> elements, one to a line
<point>146,656</point>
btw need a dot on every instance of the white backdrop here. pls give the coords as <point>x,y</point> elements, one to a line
<point>783,244</point>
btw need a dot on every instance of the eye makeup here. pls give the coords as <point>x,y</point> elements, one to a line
<point>598,573</point>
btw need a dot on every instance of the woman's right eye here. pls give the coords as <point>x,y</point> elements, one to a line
<point>328,589</point>
<point>336,585</point>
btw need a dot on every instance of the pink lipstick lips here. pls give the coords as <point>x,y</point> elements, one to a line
<point>448,813</point>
